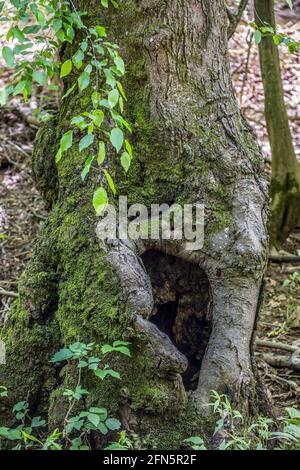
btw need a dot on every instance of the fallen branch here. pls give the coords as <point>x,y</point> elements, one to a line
<point>274,360</point>
<point>284,259</point>
<point>280,361</point>
<point>275,345</point>
<point>8,293</point>
<point>290,383</point>
<point>30,120</point>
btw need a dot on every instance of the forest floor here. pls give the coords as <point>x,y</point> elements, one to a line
<point>22,210</point>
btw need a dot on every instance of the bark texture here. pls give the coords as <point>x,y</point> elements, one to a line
<point>285,183</point>
<point>191,144</point>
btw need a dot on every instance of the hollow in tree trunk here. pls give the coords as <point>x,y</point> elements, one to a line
<point>189,315</point>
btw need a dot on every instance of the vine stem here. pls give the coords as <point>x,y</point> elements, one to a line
<point>92,45</point>
<point>72,404</point>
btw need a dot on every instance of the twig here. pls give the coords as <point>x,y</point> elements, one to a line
<point>291,383</point>
<point>294,118</point>
<point>19,149</point>
<point>8,293</point>
<point>275,345</point>
<point>245,77</point>
<point>235,18</point>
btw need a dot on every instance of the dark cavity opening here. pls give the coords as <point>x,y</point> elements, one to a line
<point>183,307</point>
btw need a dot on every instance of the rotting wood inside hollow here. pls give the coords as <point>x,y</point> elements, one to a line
<point>183,306</point>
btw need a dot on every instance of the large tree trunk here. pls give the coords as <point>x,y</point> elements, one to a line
<point>191,144</point>
<point>285,182</point>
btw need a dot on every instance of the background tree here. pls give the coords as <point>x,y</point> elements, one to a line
<point>285,182</point>
<point>191,144</point>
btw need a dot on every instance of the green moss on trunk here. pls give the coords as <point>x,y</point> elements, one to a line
<point>190,144</point>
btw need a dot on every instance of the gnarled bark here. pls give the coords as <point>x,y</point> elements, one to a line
<point>191,144</point>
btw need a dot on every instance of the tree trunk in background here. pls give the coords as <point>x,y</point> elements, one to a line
<point>285,183</point>
<point>191,144</point>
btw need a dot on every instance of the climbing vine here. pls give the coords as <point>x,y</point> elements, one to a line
<point>40,28</point>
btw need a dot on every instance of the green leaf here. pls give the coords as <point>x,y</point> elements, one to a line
<point>66,141</point>
<point>87,167</point>
<point>21,405</point>
<point>102,428</point>
<point>78,58</point>
<point>110,182</point>
<point>128,148</point>
<point>37,422</point>
<point>86,141</point>
<point>94,419</point>
<point>39,76</point>
<point>84,46</point>
<point>104,3</point>
<point>113,98</point>
<point>119,64</point>
<point>31,29</point>
<point>117,138</point>
<point>257,36</point>
<point>8,56</point>
<point>84,80</point>
<point>58,155</point>
<point>98,117</point>
<point>100,373</point>
<point>66,68</point>
<point>121,104</point>
<point>57,24</point>
<point>106,348</point>
<point>40,18</point>
<point>18,34</point>
<point>100,200</point>
<point>124,351</point>
<point>120,343</point>
<point>20,87</point>
<point>113,424</point>
<point>101,153</point>
<point>101,31</point>
<point>69,91</point>
<point>121,90</point>
<point>293,413</point>
<point>125,161</point>
<point>113,373</point>
<point>62,355</point>
<point>82,364</point>
<point>79,121</point>
<point>61,35</point>
<point>99,411</point>
<point>79,348</point>
<point>194,440</point>
<point>74,425</point>
<point>4,432</point>
<point>14,434</point>
<point>290,3</point>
